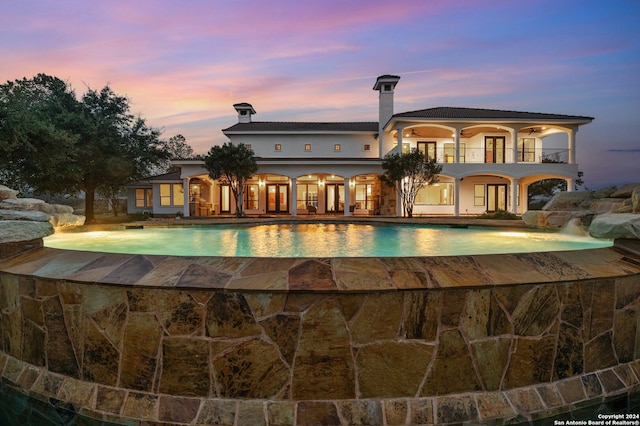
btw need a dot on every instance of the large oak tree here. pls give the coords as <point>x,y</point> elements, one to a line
<point>54,143</point>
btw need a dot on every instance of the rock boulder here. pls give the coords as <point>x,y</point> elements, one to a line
<point>36,216</point>
<point>625,191</point>
<point>615,225</point>
<point>63,220</point>
<point>12,231</point>
<point>569,201</point>
<point>12,208</point>
<point>6,193</point>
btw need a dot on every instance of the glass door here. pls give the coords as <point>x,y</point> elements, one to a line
<point>428,149</point>
<point>494,148</point>
<point>225,199</point>
<point>496,197</point>
<point>335,198</point>
<point>278,198</point>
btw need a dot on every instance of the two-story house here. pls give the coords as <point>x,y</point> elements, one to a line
<point>489,158</point>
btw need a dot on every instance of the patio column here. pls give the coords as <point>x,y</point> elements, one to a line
<point>456,197</point>
<point>514,196</point>
<point>347,191</point>
<point>185,195</point>
<point>294,196</point>
<point>570,184</point>
<point>399,207</point>
<point>572,147</point>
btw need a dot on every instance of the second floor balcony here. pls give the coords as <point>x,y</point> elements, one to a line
<point>482,155</point>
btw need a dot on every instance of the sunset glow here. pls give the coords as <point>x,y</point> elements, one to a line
<point>184,64</point>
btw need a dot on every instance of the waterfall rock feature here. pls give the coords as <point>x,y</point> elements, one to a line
<point>616,211</point>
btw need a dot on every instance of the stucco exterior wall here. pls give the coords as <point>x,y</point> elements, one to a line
<point>322,146</point>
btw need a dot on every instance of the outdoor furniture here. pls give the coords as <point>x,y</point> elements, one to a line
<point>311,209</point>
<point>204,208</point>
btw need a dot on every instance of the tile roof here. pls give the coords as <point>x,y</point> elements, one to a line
<point>290,126</point>
<point>162,177</point>
<point>453,113</point>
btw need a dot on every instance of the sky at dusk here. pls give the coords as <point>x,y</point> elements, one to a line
<point>183,64</point>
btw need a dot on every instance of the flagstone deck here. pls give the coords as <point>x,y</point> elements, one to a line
<point>417,340</point>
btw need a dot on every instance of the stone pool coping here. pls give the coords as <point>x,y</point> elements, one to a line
<point>342,275</point>
<point>330,274</point>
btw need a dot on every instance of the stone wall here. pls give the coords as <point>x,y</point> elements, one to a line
<point>208,353</point>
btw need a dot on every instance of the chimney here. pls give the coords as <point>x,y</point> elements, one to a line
<point>385,85</point>
<point>245,111</point>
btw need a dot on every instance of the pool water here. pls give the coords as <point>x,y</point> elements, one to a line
<point>320,240</point>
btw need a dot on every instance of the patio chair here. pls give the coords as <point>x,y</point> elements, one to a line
<point>311,209</point>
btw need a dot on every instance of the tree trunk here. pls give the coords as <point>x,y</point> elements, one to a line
<point>90,195</point>
<point>238,194</point>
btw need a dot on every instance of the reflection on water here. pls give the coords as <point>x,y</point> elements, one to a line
<point>320,240</point>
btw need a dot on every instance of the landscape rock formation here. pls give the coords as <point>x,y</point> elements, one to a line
<point>607,213</point>
<point>26,219</point>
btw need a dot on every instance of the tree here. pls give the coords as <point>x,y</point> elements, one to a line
<point>38,118</point>
<point>116,146</point>
<point>54,143</point>
<point>232,165</point>
<point>409,173</point>
<point>177,148</point>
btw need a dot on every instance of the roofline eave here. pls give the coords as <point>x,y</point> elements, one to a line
<point>473,122</point>
<point>304,132</point>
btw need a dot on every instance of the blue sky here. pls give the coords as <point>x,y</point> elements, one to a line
<point>184,64</point>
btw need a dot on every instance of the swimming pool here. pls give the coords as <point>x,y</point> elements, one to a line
<point>320,240</point>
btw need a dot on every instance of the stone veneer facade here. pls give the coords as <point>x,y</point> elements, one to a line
<point>247,341</point>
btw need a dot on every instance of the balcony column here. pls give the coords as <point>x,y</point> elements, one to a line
<point>185,194</point>
<point>514,196</point>
<point>347,193</point>
<point>399,146</point>
<point>572,147</point>
<point>456,197</point>
<point>294,196</point>
<point>456,149</point>
<point>515,131</point>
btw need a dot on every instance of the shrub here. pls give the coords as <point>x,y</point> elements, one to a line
<point>499,214</point>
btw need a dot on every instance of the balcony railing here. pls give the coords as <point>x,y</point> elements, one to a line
<point>479,155</point>
<point>556,156</point>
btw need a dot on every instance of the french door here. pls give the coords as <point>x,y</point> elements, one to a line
<point>278,198</point>
<point>225,199</point>
<point>335,197</point>
<point>494,147</point>
<point>428,149</point>
<point>496,197</point>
